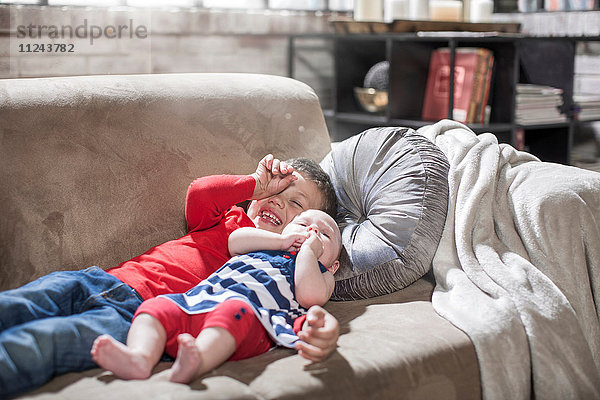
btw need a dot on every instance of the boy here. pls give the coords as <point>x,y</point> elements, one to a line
<point>221,317</point>
<point>47,327</point>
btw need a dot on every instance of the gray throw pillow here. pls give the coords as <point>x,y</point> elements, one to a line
<point>392,185</point>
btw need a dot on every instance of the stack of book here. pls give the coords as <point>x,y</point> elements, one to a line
<point>472,80</point>
<point>539,104</point>
<point>588,106</point>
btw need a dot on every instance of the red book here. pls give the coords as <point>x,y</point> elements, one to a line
<point>519,139</point>
<point>470,77</point>
<point>486,88</point>
<point>481,88</point>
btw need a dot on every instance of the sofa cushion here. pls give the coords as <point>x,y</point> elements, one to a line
<point>392,184</point>
<point>390,347</point>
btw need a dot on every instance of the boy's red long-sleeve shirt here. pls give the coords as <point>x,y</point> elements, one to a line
<point>178,265</point>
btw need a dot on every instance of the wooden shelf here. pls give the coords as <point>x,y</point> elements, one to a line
<point>545,126</point>
<point>362,118</point>
<point>350,26</point>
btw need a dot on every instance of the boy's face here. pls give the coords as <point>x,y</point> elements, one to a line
<point>275,212</point>
<point>326,230</point>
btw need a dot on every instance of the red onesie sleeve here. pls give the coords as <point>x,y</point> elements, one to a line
<point>209,197</point>
<point>298,322</point>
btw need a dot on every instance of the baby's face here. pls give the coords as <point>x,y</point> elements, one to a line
<point>325,228</point>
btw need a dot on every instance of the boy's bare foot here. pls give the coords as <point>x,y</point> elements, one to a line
<point>187,364</point>
<point>119,359</point>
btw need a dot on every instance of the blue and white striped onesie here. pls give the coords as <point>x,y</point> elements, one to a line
<point>264,280</point>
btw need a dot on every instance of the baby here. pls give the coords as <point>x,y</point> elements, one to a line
<point>240,311</point>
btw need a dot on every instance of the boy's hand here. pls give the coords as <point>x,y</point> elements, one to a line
<point>272,176</point>
<point>292,241</point>
<point>319,335</point>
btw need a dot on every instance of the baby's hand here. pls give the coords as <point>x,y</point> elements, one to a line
<point>314,243</point>
<point>292,241</point>
<point>319,335</point>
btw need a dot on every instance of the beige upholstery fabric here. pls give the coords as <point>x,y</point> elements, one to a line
<point>391,347</point>
<point>94,170</point>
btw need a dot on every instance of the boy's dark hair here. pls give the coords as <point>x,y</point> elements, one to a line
<point>313,172</point>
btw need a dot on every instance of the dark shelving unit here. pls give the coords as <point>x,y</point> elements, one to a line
<point>518,59</point>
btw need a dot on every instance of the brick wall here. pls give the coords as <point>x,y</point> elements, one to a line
<point>571,23</point>
<point>177,40</point>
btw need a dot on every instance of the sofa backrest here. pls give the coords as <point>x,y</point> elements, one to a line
<point>94,170</point>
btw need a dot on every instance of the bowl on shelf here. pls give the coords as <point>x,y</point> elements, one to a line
<point>371,100</point>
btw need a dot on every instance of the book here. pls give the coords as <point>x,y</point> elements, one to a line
<point>519,140</point>
<point>472,80</point>
<point>587,106</point>
<point>478,92</point>
<point>538,104</point>
<point>483,92</point>
<point>555,5</point>
<point>530,88</point>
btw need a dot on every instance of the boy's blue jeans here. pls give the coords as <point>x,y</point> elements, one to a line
<point>48,326</point>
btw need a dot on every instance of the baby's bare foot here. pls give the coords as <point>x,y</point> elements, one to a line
<point>187,364</point>
<point>119,359</point>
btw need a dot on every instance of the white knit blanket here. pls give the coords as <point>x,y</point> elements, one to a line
<point>518,266</point>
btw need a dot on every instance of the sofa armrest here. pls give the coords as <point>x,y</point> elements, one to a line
<point>94,169</point>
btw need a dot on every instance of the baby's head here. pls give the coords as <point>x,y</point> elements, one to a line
<point>326,229</point>
<point>312,190</point>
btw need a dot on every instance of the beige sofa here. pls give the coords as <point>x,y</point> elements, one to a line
<point>94,171</point>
